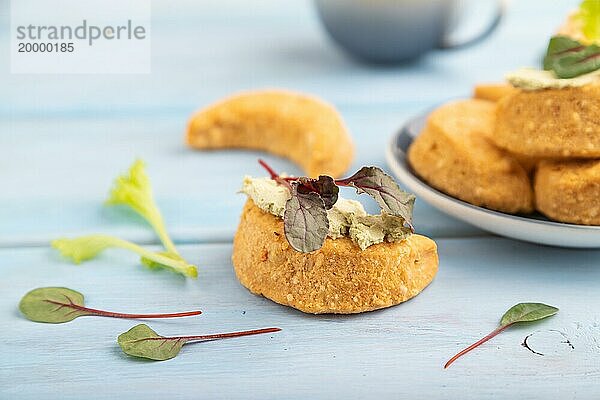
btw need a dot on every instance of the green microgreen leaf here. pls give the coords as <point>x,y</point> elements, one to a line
<point>53,305</point>
<point>88,247</point>
<point>386,192</point>
<point>56,305</point>
<point>522,312</point>
<point>527,312</point>
<point>305,220</point>
<point>141,341</point>
<point>135,191</point>
<point>568,58</point>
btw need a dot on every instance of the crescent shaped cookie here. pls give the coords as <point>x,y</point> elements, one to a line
<point>302,128</point>
<point>338,278</point>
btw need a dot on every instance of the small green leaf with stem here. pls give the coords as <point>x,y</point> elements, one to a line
<point>56,305</point>
<point>568,58</point>
<point>527,312</point>
<point>84,248</point>
<point>134,190</point>
<point>522,312</point>
<point>141,341</point>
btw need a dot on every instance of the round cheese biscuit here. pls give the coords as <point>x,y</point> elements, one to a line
<point>454,155</point>
<point>338,278</point>
<point>551,123</point>
<point>569,191</point>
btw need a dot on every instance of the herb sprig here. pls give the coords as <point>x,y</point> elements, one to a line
<point>522,312</point>
<point>141,341</point>
<point>56,305</point>
<point>305,217</point>
<point>132,190</point>
<point>569,58</point>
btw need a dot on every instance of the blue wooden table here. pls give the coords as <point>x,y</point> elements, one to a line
<point>64,138</point>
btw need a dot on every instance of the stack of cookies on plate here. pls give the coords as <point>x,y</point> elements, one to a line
<point>517,151</point>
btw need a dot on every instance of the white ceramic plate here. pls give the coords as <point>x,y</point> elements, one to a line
<point>531,228</point>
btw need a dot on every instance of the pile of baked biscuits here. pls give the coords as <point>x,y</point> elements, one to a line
<point>517,151</point>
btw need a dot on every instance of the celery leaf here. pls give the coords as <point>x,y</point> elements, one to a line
<point>135,191</point>
<point>88,247</point>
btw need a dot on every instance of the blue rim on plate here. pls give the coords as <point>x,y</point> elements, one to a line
<point>532,228</point>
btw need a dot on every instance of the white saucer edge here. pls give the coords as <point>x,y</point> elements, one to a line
<point>533,231</point>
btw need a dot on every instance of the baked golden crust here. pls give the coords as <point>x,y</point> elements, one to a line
<point>338,278</point>
<point>492,91</point>
<point>569,191</point>
<point>551,123</point>
<point>305,129</point>
<point>454,155</point>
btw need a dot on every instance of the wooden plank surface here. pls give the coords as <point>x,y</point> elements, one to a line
<point>397,352</point>
<point>57,187</point>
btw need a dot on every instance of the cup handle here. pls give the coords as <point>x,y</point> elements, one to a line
<point>448,43</point>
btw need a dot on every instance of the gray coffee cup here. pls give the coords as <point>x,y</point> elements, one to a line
<point>388,31</point>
